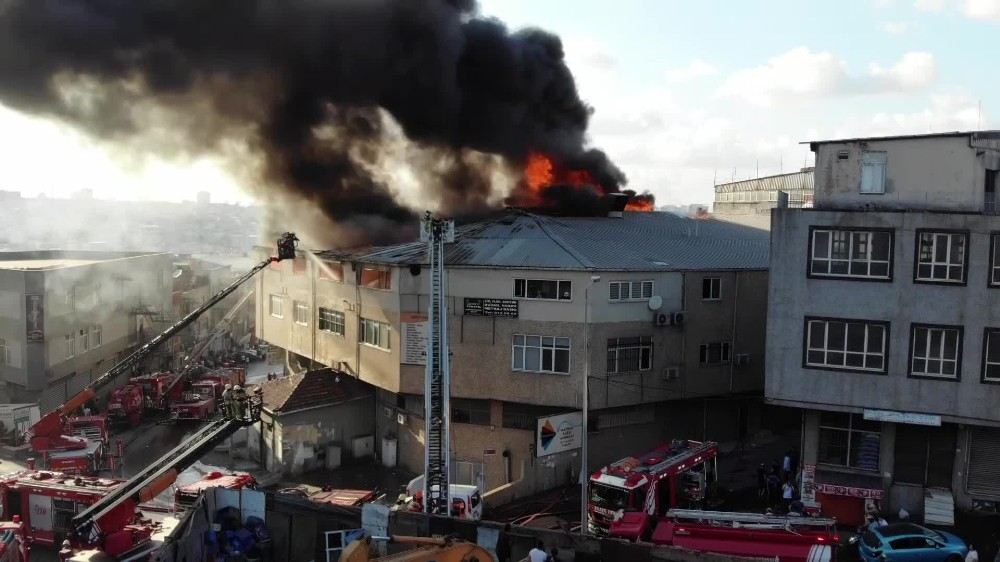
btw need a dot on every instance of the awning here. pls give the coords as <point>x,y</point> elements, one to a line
<point>849,484</point>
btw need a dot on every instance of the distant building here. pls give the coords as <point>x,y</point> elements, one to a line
<point>66,317</point>
<point>750,201</point>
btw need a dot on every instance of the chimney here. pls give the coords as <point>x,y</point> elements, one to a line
<point>616,204</point>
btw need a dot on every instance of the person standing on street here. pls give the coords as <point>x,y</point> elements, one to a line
<point>538,553</point>
<point>973,555</point>
<point>787,494</point>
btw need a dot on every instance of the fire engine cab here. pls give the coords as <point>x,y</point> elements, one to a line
<point>626,496</point>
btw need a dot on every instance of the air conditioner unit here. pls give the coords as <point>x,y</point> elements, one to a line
<point>387,411</point>
<point>742,359</point>
<point>677,319</point>
<point>400,418</point>
<point>661,319</point>
<point>671,373</point>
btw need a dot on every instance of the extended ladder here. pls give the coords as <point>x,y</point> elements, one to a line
<point>437,379</point>
<point>748,520</point>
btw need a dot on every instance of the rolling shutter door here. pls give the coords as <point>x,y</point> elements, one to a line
<point>983,473</point>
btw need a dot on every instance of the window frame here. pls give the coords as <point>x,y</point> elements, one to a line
<point>850,430</point>
<point>98,331</point>
<point>916,256</point>
<point>718,288</point>
<point>642,284</point>
<point>383,277</point>
<point>332,322</point>
<point>994,267</point>
<point>986,338</point>
<point>280,299</point>
<point>725,353</point>
<point>362,333</point>
<point>884,165</point>
<point>810,256</point>
<point>4,352</point>
<point>886,347</point>
<point>644,342</point>
<point>300,306</point>
<point>541,354</point>
<point>472,406</point>
<point>558,283</point>
<point>958,350</point>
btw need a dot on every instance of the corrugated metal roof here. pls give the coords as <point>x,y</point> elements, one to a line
<point>783,182</point>
<point>635,242</point>
<point>981,134</point>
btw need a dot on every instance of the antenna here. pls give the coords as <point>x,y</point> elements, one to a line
<point>781,164</point>
<point>979,115</point>
<point>758,167</point>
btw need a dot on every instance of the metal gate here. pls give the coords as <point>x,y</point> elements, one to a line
<point>983,472</point>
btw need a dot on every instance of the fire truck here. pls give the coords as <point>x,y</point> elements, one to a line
<point>195,404</point>
<point>94,456</point>
<point>158,389</point>
<point>626,495</point>
<point>126,404</point>
<point>13,543</point>
<point>788,539</point>
<point>185,496</point>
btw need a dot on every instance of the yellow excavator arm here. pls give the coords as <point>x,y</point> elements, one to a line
<point>432,549</point>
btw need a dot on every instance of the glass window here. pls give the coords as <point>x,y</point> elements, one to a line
<point>375,333</point>
<point>96,336</point>
<point>330,271</point>
<point>711,288</point>
<point>995,260</point>
<point>936,351</point>
<point>4,352</point>
<point>470,411</point>
<point>846,344</point>
<point>627,355</point>
<point>543,289</point>
<point>376,278</point>
<point>277,303</point>
<point>300,311</point>
<point>851,253</point>
<point>849,440</point>
<point>624,291</point>
<point>873,172</point>
<point>331,321</point>
<point>540,354</point>
<point>991,355</point>
<point>714,353</point>
<point>941,256</point>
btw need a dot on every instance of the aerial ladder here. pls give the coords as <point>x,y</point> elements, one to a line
<point>50,433</point>
<point>437,377</point>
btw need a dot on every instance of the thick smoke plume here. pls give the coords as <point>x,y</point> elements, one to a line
<point>320,92</point>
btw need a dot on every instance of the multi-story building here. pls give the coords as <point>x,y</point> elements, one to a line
<point>65,317</point>
<point>884,323</point>
<point>750,201</point>
<point>670,308</point>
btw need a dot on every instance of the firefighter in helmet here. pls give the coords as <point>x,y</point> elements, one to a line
<point>227,402</point>
<point>240,402</point>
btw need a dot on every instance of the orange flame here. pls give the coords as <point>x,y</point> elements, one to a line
<point>640,203</point>
<point>540,172</point>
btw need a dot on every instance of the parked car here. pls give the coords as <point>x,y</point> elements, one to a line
<point>908,542</point>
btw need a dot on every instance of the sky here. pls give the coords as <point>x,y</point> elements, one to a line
<point>685,94</point>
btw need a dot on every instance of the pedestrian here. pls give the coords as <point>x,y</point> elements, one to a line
<point>996,545</point>
<point>772,485</point>
<point>786,464</point>
<point>973,555</point>
<point>538,553</point>
<point>761,481</point>
<point>227,402</point>
<point>503,544</point>
<point>787,495</point>
<point>554,554</point>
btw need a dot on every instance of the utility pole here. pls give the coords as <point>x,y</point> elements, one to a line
<point>584,469</point>
<point>437,376</point>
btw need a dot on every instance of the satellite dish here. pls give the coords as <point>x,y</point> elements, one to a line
<point>655,302</point>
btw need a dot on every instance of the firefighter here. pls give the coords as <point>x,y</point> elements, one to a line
<point>240,401</point>
<point>227,402</point>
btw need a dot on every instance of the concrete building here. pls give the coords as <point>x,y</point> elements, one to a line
<point>313,420</point>
<point>750,201</point>
<point>884,324</point>
<point>672,308</point>
<point>65,317</point>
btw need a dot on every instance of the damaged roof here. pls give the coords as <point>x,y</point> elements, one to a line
<point>311,389</point>
<point>638,241</point>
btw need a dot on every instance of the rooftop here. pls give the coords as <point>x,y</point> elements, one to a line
<point>312,389</point>
<point>43,260</point>
<point>638,241</point>
<point>990,134</point>
<point>803,179</point>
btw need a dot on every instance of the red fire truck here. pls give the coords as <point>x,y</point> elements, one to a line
<point>126,404</point>
<point>185,496</point>
<point>788,539</point>
<point>13,543</point>
<point>197,403</point>
<point>626,495</point>
<point>158,389</point>
<point>93,455</point>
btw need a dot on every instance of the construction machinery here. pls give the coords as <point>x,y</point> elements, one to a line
<point>51,434</point>
<point>425,549</point>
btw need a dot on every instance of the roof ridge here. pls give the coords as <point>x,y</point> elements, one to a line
<point>560,242</point>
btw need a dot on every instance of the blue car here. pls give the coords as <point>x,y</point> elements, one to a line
<point>906,542</point>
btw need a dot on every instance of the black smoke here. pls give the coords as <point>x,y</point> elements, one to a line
<point>301,82</point>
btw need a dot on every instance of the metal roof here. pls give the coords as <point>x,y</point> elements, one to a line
<point>783,182</point>
<point>638,241</point>
<point>979,134</point>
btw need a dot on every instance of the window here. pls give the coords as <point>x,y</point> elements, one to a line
<point>470,411</point>
<point>331,321</point>
<point>995,260</point>
<point>540,354</point>
<point>4,352</point>
<point>714,353</point>
<point>711,289</point>
<point>623,291</point>
<point>991,355</point>
<point>924,455</point>
<point>96,336</point>
<point>848,440</point>
<point>70,343</point>
<point>300,313</point>
<point>376,278</point>
<point>935,351</point>
<point>543,289</point>
<point>873,172</point>
<point>330,271</point>
<point>629,355</point>
<point>277,304</point>
<point>851,253</point>
<point>81,340</point>
<point>941,257</point>
<point>852,345</point>
<point>375,333</point>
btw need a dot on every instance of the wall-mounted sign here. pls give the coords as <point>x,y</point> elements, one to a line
<point>413,333</point>
<point>34,310</point>
<point>556,434</point>
<point>503,308</point>
<point>808,485</point>
<point>903,417</point>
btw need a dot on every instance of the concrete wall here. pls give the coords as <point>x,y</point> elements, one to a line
<point>901,302</point>
<point>927,173</point>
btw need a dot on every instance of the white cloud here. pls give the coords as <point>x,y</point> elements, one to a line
<point>896,27</point>
<point>697,68</point>
<point>982,9</point>
<point>803,74</point>
<point>930,5</point>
